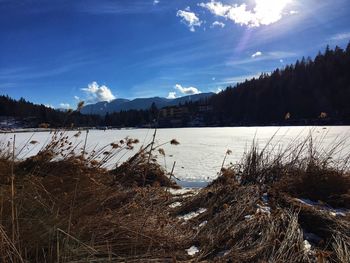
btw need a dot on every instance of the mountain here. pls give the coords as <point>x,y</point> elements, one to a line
<point>102,107</point>
<point>193,98</point>
<point>117,105</point>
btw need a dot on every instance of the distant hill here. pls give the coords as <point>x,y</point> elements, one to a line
<point>103,107</point>
<point>117,105</point>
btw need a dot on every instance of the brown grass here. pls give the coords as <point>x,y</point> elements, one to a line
<point>69,208</point>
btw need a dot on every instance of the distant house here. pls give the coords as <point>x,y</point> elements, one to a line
<point>174,116</point>
<point>174,112</point>
<point>205,108</point>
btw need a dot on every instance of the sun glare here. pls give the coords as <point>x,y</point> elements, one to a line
<point>270,11</point>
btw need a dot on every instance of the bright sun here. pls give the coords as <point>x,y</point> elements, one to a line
<point>269,11</point>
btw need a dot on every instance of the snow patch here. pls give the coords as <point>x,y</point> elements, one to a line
<point>200,225</point>
<point>203,223</point>
<point>184,191</point>
<point>175,204</point>
<point>192,250</point>
<point>306,201</point>
<point>307,246</point>
<point>223,253</point>
<point>332,211</point>
<point>263,210</point>
<point>248,217</point>
<point>337,213</point>
<point>191,215</point>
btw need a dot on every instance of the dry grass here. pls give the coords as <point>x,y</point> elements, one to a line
<point>69,208</point>
<point>255,214</point>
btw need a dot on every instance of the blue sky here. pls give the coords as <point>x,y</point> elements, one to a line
<point>58,52</point>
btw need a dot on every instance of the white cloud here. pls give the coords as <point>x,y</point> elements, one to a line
<point>218,24</point>
<point>218,90</point>
<point>281,60</point>
<point>272,55</point>
<point>341,36</point>
<point>49,106</point>
<point>64,106</point>
<point>265,12</point>
<point>280,54</point>
<point>217,8</point>
<point>156,2</point>
<point>187,91</point>
<point>236,79</point>
<point>98,93</point>
<point>171,95</point>
<point>189,18</point>
<point>76,98</point>
<point>257,54</point>
<point>293,12</point>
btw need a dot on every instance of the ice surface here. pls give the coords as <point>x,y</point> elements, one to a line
<point>201,151</point>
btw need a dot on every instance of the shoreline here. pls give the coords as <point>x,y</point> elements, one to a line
<point>24,130</point>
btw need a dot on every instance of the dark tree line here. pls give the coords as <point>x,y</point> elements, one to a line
<point>303,90</point>
<point>132,118</point>
<point>33,115</point>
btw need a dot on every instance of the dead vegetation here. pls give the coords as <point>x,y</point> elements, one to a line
<point>275,206</point>
<point>64,206</point>
<point>68,208</point>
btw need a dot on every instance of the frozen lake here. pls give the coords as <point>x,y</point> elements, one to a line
<point>201,151</point>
